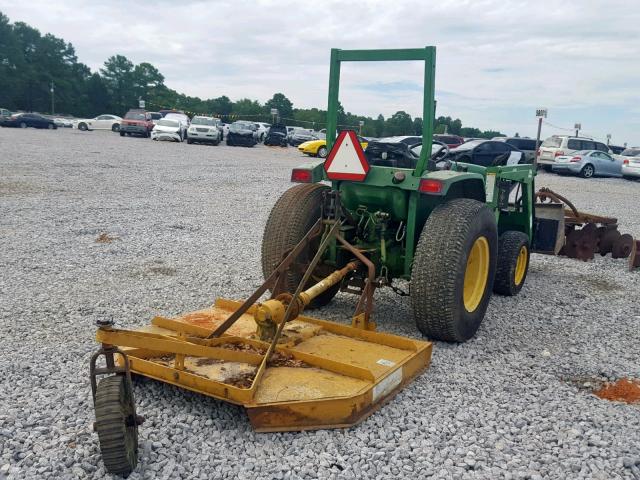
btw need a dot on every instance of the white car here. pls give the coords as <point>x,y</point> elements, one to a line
<point>101,122</point>
<point>204,130</point>
<point>168,129</point>
<point>263,129</point>
<point>63,122</point>
<point>182,118</point>
<point>562,145</point>
<point>630,162</point>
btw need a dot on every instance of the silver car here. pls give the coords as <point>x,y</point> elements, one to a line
<point>588,163</point>
<point>631,163</point>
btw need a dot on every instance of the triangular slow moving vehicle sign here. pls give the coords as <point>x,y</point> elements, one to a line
<point>346,161</point>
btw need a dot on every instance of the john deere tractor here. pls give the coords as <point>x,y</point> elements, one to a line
<point>456,231</point>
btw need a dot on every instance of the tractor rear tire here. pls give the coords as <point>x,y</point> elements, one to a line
<point>513,263</point>
<point>291,218</point>
<point>453,270</point>
<point>117,425</point>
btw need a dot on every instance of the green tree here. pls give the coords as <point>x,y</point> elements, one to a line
<point>282,103</point>
<point>399,123</point>
<point>417,126</point>
<point>147,80</point>
<point>379,126</point>
<point>118,76</point>
<point>247,107</point>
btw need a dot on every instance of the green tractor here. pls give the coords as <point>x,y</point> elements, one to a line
<point>457,234</point>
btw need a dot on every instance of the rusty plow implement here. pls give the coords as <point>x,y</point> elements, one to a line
<point>582,235</point>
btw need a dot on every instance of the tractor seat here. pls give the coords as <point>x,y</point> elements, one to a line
<point>396,155</point>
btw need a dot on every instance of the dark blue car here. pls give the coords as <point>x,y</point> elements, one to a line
<point>24,120</point>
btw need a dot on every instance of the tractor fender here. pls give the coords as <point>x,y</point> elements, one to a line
<point>455,184</point>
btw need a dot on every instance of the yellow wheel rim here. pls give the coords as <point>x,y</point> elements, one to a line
<point>521,265</point>
<point>476,274</point>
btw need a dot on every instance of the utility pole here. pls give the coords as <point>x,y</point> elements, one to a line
<point>540,113</point>
<point>52,95</point>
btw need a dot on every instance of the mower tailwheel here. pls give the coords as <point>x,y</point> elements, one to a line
<point>117,425</point>
<point>453,270</point>
<point>291,218</point>
<point>513,263</point>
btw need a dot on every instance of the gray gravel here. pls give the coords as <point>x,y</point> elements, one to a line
<point>187,222</point>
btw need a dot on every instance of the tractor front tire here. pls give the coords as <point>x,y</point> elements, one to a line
<point>291,218</point>
<point>453,270</point>
<point>513,263</point>
<point>117,425</point>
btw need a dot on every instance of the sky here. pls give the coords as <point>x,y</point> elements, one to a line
<point>497,60</point>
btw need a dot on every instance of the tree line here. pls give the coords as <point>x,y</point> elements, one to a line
<point>32,63</point>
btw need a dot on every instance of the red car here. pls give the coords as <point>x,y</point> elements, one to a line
<point>136,122</point>
<point>451,141</point>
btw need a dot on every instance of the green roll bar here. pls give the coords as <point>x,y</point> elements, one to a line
<point>427,54</point>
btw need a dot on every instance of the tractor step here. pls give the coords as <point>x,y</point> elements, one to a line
<point>321,375</point>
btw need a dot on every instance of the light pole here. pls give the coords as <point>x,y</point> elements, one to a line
<point>540,113</point>
<point>52,101</point>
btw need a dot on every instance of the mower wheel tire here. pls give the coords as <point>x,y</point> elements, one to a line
<point>453,270</point>
<point>513,263</point>
<point>291,218</point>
<point>117,425</point>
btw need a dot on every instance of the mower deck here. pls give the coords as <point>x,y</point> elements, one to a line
<point>321,374</point>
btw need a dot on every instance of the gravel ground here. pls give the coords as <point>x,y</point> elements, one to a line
<point>186,223</point>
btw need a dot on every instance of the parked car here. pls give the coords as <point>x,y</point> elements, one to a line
<point>318,148</point>
<point>166,111</point>
<point>409,140</point>
<point>136,122</point>
<point>277,136</point>
<point>451,141</point>
<point>561,145</point>
<point>62,122</point>
<point>4,115</point>
<point>24,120</point>
<point>204,130</point>
<point>183,119</point>
<point>155,116</point>
<point>630,163</point>
<point>485,153</point>
<point>588,163</point>
<point>263,129</point>
<point>242,133</point>
<point>300,135</point>
<point>168,129</point>
<point>101,122</point>
<point>616,149</point>
<point>526,145</point>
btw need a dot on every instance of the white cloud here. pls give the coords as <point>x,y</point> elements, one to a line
<point>497,60</point>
